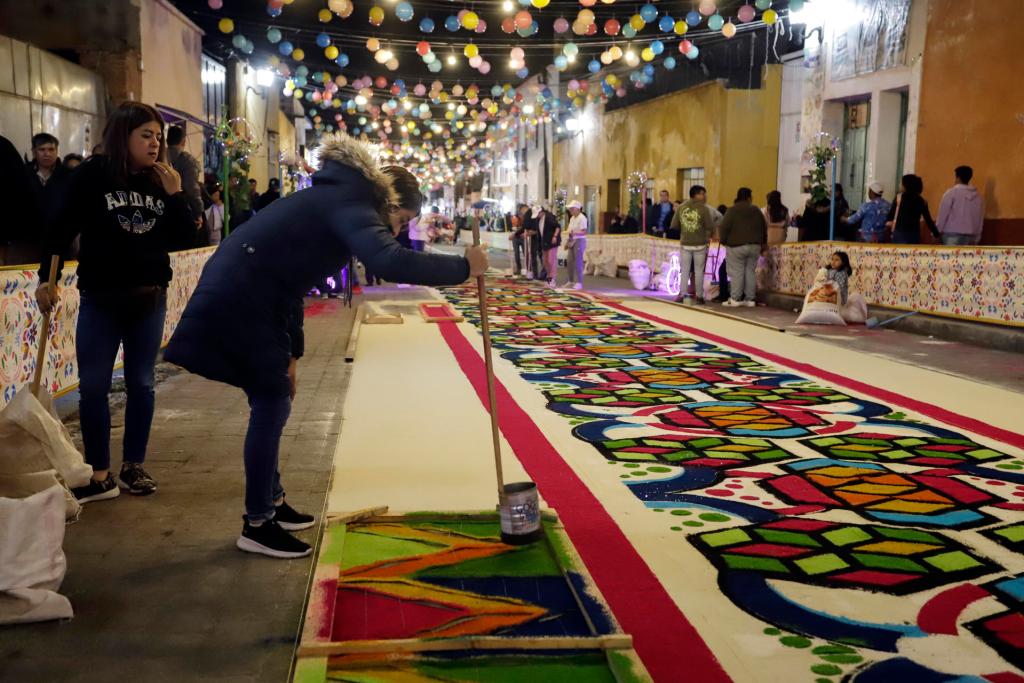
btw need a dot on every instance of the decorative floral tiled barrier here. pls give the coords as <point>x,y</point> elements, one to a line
<point>20,317</point>
<point>984,284</point>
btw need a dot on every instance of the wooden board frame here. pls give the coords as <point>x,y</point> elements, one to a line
<point>431,314</point>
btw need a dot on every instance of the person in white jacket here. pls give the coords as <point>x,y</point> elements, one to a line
<point>576,245</point>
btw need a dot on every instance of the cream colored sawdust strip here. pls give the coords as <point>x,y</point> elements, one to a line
<point>414,434</point>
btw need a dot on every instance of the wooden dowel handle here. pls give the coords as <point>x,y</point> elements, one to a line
<point>492,403</point>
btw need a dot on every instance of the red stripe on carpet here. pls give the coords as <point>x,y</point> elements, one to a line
<point>939,615</point>
<point>670,647</point>
<point>928,409</point>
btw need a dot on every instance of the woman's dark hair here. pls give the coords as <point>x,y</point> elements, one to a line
<point>125,119</point>
<point>777,211</point>
<point>73,157</point>
<point>407,186</point>
<point>845,258</point>
<point>912,184</point>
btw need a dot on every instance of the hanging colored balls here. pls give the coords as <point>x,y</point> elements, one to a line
<point>628,31</point>
<point>657,47</point>
<point>594,66</point>
<point>215,4</point>
<point>324,15</point>
<point>470,20</point>
<point>372,44</point>
<point>796,6</point>
<point>274,36</point>
<point>745,14</point>
<point>452,23</point>
<point>273,11</point>
<point>649,13</point>
<point>540,4</point>
<point>226,25</point>
<point>647,54</point>
<point>429,58</point>
<point>770,16</point>
<point>523,20</point>
<point>707,7</point>
<point>471,50</point>
<point>342,60</point>
<point>562,25</point>
<point>637,22</point>
<point>611,27</point>
<point>588,3</point>
<point>474,62</point>
<point>716,22</point>
<point>427,25</point>
<point>285,48</point>
<point>693,52</point>
<point>570,49</point>
<point>523,73</point>
<point>684,46</point>
<point>669,63</point>
<point>376,15</point>
<point>729,30</point>
<point>762,4</point>
<point>592,30</point>
<point>381,82</point>
<point>666,24</point>
<point>508,25</point>
<point>681,27</point>
<point>331,52</point>
<point>419,90</point>
<point>238,41</point>
<point>615,51</point>
<point>606,58</point>
<point>517,54</point>
<point>323,40</point>
<point>404,11</point>
<point>585,17</point>
<point>693,18</point>
<point>422,48</point>
<point>649,70</point>
<point>298,54</point>
<point>561,62</point>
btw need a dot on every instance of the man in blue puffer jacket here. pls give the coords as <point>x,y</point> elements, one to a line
<point>243,324</point>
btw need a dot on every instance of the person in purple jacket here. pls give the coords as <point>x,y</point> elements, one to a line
<point>962,211</point>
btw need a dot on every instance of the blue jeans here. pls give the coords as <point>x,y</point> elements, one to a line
<point>418,245</point>
<point>954,239</point>
<point>267,417</point>
<point>103,325</point>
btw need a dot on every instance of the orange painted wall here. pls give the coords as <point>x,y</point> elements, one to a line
<point>972,109</point>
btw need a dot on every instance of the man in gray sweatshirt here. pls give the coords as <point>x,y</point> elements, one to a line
<point>695,223</point>
<point>962,211</point>
<point>744,232</point>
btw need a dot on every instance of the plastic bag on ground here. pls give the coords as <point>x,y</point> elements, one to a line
<point>34,439</point>
<point>855,310</point>
<point>32,562</point>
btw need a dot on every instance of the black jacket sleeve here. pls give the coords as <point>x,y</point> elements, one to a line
<point>296,333</point>
<point>181,226</point>
<point>69,216</point>
<point>373,244</point>
<point>927,215</point>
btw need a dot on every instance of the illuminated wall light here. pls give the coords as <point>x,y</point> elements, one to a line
<point>264,78</point>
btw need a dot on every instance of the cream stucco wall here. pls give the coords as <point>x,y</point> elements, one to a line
<point>172,62</point>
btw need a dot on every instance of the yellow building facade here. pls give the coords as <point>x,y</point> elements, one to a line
<point>709,135</point>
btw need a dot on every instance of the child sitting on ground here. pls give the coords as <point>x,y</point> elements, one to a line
<point>829,301</point>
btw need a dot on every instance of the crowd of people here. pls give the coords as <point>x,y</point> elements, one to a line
<point>36,188</point>
<point>130,208</point>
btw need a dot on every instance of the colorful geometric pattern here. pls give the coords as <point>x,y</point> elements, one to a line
<point>709,451</point>
<point>877,558</point>
<point>1004,631</point>
<point>881,494</point>
<point>19,316</point>
<point>783,463</point>
<point>432,577</point>
<point>909,450</point>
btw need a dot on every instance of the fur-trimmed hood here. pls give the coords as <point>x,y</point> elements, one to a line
<point>361,157</point>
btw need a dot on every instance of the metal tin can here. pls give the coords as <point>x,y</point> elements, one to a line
<point>519,509</point>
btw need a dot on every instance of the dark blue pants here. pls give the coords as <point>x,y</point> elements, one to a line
<point>267,417</point>
<point>103,325</point>
<point>418,245</point>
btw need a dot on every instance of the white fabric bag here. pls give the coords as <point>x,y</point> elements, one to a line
<point>821,305</point>
<point>34,439</point>
<point>32,562</point>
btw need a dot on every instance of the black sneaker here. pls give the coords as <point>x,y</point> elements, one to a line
<point>135,480</point>
<point>290,519</point>
<point>271,540</point>
<point>96,490</point>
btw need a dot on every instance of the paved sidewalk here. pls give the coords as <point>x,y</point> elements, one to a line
<point>160,592</point>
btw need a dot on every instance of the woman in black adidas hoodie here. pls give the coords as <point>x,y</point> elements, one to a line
<point>130,211</point>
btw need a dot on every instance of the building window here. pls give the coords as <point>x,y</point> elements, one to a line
<point>687,178</point>
<point>214,77</point>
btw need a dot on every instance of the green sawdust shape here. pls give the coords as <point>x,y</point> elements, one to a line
<point>310,670</point>
<point>333,544</point>
<point>891,562</point>
<point>1013,534</point>
<point>590,668</point>
<point>361,549</point>
<point>532,560</point>
<point>477,529</point>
